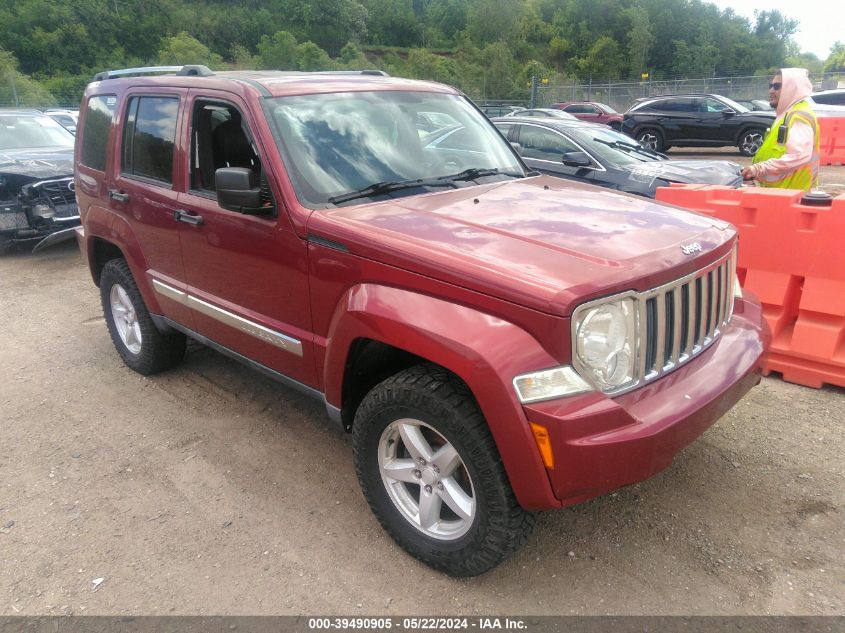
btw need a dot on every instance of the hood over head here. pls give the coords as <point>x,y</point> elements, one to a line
<point>795,86</point>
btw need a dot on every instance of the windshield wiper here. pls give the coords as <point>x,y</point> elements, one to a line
<point>382,188</point>
<point>628,147</point>
<point>477,172</point>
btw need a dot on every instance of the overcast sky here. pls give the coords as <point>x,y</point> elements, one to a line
<point>821,22</point>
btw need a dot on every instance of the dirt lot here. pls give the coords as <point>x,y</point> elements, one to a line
<point>212,490</point>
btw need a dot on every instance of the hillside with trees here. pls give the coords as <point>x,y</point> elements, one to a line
<point>489,46</point>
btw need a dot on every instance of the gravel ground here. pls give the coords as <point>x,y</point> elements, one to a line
<point>212,490</point>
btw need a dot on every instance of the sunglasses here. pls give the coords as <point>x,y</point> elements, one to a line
<point>775,86</point>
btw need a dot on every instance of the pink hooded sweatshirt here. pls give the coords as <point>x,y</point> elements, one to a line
<point>801,140</point>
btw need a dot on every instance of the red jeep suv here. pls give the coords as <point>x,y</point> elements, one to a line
<point>496,342</point>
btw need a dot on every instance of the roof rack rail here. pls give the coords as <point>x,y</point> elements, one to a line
<point>193,70</point>
<point>377,73</point>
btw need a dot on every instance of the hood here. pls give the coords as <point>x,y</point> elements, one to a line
<point>540,242</point>
<point>705,172</point>
<point>37,164</point>
<point>795,86</point>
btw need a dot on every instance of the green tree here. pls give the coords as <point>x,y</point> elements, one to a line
<point>184,49</point>
<point>392,22</point>
<point>278,51</point>
<point>310,57</point>
<point>18,90</point>
<point>446,18</point>
<point>603,61</point>
<point>330,25</point>
<point>242,59</point>
<point>836,60</point>
<point>639,40</point>
<point>773,32</point>
<point>492,21</point>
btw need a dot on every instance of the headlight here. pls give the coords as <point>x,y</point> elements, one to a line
<point>605,344</point>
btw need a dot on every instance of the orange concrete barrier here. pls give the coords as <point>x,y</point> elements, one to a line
<point>832,140</point>
<point>791,256</point>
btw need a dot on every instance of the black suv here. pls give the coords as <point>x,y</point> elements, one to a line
<point>659,123</point>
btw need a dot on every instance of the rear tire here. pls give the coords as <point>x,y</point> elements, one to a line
<point>750,141</point>
<point>432,475</point>
<point>652,139</point>
<point>136,338</point>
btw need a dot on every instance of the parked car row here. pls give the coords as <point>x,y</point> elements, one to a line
<point>688,120</point>
<point>595,154</point>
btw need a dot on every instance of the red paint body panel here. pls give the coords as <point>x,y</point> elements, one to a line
<point>484,351</point>
<point>542,242</point>
<point>603,443</point>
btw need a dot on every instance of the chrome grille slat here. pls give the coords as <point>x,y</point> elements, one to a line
<point>681,319</point>
<point>660,333</point>
<point>714,288</point>
<point>677,323</point>
<point>704,310</point>
<point>691,311</point>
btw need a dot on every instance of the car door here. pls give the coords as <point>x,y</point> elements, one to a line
<point>711,125</point>
<point>585,112</point>
<point>246,272</point>
<point>143,192</point>
<point>543,149</point>
<point>677,117</point>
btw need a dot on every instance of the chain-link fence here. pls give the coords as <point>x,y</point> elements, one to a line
<point>621,95</point>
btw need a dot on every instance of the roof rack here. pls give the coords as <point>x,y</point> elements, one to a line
<point>377,73</point>
<point>194,70</point>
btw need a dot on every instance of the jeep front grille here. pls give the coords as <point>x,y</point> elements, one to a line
<point>681,319</point>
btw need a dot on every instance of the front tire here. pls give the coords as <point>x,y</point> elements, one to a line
<point>136,338</point>
<point>749,142</point>
<point>652,139</point>
<point>432,475</point>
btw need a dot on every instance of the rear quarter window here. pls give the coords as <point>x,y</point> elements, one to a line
<point>148,138</point>
<point>95,135</point>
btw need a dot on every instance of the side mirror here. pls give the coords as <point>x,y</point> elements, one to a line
<point>576,159</point>
<point>517,147</point>
<point>238,191</point>
<point>728,112</point>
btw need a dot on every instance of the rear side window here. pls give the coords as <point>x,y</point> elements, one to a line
<point>95,136</point>
<point>148,138</point>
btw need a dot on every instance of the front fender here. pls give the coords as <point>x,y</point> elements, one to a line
<point>486,352</point>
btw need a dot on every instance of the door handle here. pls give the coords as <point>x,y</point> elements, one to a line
<point>183,216</point>
<point>114,194</point>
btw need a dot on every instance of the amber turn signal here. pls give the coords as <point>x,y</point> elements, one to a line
<point>544,443</point>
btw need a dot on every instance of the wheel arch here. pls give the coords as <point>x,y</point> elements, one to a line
<point>383,330</point>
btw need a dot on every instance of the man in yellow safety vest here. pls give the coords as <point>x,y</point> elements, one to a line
<point>789,155</point>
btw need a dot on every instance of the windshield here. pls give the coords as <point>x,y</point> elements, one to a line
<point>607,108</point>
<point>611,146</point>
<point>26,132</point>
<point>337,144</point>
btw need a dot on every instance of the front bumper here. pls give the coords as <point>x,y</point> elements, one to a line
<point>602,443</point>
